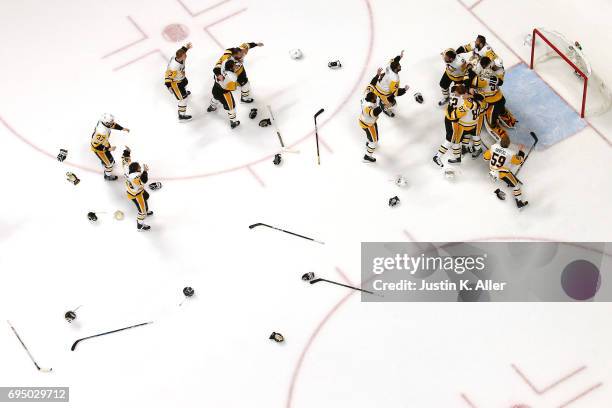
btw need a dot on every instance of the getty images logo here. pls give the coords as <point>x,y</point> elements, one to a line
<point>414,264</point>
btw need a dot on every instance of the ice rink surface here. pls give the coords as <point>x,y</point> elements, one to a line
<point>66,62</point>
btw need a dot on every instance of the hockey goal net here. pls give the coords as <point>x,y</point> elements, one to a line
<point>548,44</point>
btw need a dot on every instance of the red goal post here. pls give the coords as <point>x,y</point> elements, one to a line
<point>578,70</point>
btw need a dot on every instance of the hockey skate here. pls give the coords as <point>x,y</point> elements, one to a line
<point>455,160</point>
<point>184,118</point>
<point>110,177</point>
<point>143,227</point>
<point>438,161</point>
<point>234,123</point>
<point>521,204</point>
<point>369,159</point>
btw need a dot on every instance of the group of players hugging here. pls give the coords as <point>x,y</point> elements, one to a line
<point>472,99</point>
<point>229,74</point>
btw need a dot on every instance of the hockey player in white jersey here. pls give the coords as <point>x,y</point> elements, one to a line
<point>478,49</point>
<point>387,87</point>
<point>370,111</point>
<point>101,146</point>
<point>136,178</point>
<point>455,72</point>
<point>176,81</point>
<point>502,161</point>
<point>222,89</point>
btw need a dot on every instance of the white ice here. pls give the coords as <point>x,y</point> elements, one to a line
<point>214,351</point>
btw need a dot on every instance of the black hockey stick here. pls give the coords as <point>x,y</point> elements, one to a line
<point>105,333</point>
<point>280,138</point>
<point>312,282</point>
<point>288,232</point>
<point>536,140</point>
<point>44,370</point>
<point>317,134</point>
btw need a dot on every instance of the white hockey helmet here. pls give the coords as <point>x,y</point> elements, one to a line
<point>107,119</point>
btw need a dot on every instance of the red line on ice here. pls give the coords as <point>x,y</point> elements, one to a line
<point>316,332</point>
<point>207,31</point>
<point>259,179</point>
<point>344,276</point>
<point>158,51</point>
<point>467,401</point>
<point>142,33</point>
<point>581,395</point>
<point>549,387</point>
<point>197,13</point>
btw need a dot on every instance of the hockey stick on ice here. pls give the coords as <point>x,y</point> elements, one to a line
<point>285,231</point>
<point>280,138</point>
<point>341,284</point>
<point>105,333</point>
<point>317,134</point>
<point>44,370</point>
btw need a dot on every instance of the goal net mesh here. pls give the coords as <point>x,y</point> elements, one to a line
<point>598,98</point>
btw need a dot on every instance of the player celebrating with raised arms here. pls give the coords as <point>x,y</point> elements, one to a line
<point>176,81</point>
<point>100,143</point>
<point>135,179</point>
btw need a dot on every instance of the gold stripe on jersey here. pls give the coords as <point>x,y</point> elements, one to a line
<point>176,90</point>
<point>102,156</point>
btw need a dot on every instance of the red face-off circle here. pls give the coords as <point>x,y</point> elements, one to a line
<point>175,32</point>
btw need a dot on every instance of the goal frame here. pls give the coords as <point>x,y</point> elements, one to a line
<point>537,33</point>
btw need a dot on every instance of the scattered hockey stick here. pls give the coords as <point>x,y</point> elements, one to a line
<point>105,333</point>
<point>280,138</point>
<point>317,134</point>
<point>285,231</point>
<point>39,368</point>
<point>312,282</point>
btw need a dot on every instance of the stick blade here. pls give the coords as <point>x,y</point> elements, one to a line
<point>320,111</point>
<point>255,225</point>
<point>312,282</point>
<point>74,345</point>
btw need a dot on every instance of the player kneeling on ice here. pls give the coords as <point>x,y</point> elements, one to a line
<point>176,81</point>
<point>135,180</point>
<point>100,144</point>
<point>222,89</point>
<point>501,158</point>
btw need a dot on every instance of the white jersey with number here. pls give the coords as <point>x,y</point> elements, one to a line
<point>485,51</point>
<point>457,68</point>
<point>502,158</point>
<point>175,70</point>
<point>100,135</point>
